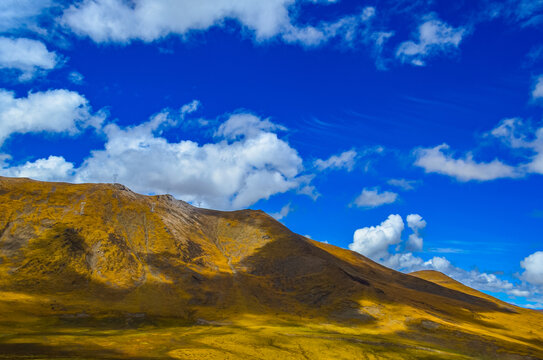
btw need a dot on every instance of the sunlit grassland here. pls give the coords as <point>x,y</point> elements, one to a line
<point>251,338</point>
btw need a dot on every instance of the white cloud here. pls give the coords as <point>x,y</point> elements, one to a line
<point>511,131</point>
<point>59,111</point>
<point>308,189</point>
<point>370,198</point>
<point>345,160</point>
<point>241,168</point>
<point>416,224</point>
<point>435,160</point>
<point>26,56</point>
<point>76,78</point>
<point>415,242</point>
<point>53,168</point>
<point>380,38</point>
<point>524,12</point>
<point>473,278</point>
<point>516,134</point>
<point>150,20</point>
<point>16,14</point>
<point>533,268</point>
<point>537,92</point>
<point>433,37</point>
<point>222,175</point>
<point>402,261</point>
<point>348,28</point>
<point>246,125</point>
<point>403,184</point>
<point>374,241</point>
<point>521,293</point>
<point>285,210</point>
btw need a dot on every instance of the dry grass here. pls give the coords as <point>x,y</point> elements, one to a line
<point>97,271</point>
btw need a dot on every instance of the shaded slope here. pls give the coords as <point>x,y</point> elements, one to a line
<point>99,250</point>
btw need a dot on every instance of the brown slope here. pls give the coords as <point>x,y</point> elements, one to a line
<point>108,240</point>
<point>97,249</point>
<point>448,282</point>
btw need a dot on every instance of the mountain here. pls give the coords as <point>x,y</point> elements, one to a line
<point>98,271</point>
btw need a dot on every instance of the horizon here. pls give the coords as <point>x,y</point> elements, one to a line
<point>410,133</point>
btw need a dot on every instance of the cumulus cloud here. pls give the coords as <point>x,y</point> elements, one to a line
<point>533,268</point>
<point>383,243</point>
<point>416,223</point>
<point>371,198</point>
<point>345,160</point>
<point>247,163</point>
<point>403,261</point>
<point>436,160</point>
<point>59,111</point>
<point>374,241</point>
<point>285,210</point>
<point>26,56</point>
<point>433,37</point>
<point>150,20</point>
<point>53,168</point>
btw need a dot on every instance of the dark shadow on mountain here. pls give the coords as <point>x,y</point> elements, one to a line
<point>29,350</point>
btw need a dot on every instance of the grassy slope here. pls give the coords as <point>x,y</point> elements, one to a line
<point>95,270</point>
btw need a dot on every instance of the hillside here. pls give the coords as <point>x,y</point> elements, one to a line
<point>445,281</point>
<point>96,270</point>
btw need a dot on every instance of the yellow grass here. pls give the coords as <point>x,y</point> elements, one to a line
<point>96,271</point>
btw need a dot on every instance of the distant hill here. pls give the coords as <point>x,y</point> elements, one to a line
<point>99,256</point>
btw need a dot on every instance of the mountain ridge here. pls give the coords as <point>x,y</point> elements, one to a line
<point>99,251</point>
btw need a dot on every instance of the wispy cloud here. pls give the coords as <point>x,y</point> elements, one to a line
<point>404,184</point>
<point>537,91</point>
<point>447,250</point>
<point>285,210</point>
<point>439,160</point>
<point>345,160</point>
<point>433,37</point>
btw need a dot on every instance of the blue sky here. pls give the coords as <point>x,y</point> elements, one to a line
<point>409,131</point>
